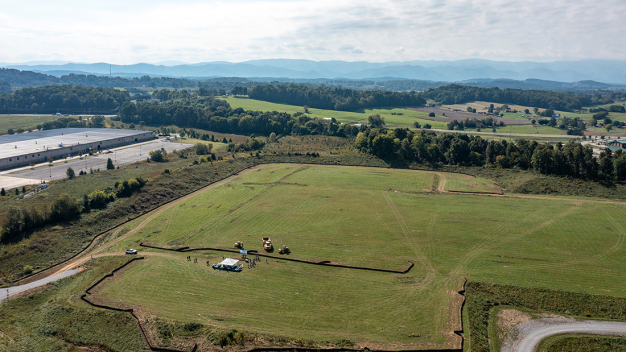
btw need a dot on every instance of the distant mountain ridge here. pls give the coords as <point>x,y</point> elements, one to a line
<point>609,71</point>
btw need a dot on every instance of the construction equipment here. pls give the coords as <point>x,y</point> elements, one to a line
<point>267,244</point>
<point>239,244</point>
<point>284,250</point>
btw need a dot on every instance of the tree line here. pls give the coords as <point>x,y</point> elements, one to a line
<point>571,159</point>
<point>333,98</point>
<point>63,208</point>
<point>217,115</point>
<point>459,94</point>
<point>64,99</point>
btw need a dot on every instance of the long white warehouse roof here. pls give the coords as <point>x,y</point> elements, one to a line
<point>31,142</point>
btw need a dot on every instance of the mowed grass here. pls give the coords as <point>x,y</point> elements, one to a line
<point>466,183</point>
<point>22,121</point>
<point>405,120</point>
<point>377,218</point>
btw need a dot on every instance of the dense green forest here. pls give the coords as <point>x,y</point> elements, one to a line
<point>333,98</point>
<point>192,110</point>
<point>458,94</point>
<point>5,87</point>
<point>63,99</point>
<point>571,159</point>
<point>17,78</point>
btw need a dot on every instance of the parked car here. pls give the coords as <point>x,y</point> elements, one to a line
<point>131,251</point>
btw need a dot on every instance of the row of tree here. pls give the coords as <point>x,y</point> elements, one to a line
<point>458,94</point>
<point>63,99</point>
<point>333,98</point>
<point>571,159</point>
<point>18,220</point>
<point>63,208</point>
<point>217,115</point>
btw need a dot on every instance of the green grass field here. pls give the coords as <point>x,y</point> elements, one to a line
<point>407,118</point>
<point>466,183</point>
<point>378,218</point>
<point>22,121</point>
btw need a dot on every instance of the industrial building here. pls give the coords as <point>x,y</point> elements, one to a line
<point>35,147</point>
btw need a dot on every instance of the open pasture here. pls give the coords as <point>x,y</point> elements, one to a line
<point>369,217</point>
<point>22,121</point>
<point>405,120</point>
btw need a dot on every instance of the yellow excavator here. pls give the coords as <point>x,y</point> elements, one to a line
<point>267,244</point>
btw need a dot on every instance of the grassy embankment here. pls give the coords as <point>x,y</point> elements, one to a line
<point>486,326</point>
<point>582,343</point>
<point>54,319</point>
<point>354,216</point>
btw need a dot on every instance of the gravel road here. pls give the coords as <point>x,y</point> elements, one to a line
<point>11,291</point>
<point>525,337</point>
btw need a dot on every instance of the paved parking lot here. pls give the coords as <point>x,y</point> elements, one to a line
<point>120,156</point>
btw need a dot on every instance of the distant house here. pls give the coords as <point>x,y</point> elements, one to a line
<point>556,116</point>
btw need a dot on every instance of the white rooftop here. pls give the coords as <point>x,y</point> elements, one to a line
<point>229,262</point>
<point>32,142</point>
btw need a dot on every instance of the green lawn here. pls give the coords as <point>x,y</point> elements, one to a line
<point>23,121</point>
<point>378,218</point>
<point>466,183</point>
<point>407,118</point>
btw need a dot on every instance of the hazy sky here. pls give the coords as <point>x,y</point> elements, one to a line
<point>125,32</point>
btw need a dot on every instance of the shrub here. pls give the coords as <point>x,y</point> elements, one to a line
<point>158,155</point>
<point>98,199</point>
<point>202,149</point>
<point>70,173</point>
<point>64,208</point>
<point>110,165</point>
<point>28,269</point>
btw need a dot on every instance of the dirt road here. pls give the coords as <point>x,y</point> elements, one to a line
<point>525,337</point>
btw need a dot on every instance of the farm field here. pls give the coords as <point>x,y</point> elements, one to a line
<point>370,217</point>
<point>483,105</point>
<point>405,120</point>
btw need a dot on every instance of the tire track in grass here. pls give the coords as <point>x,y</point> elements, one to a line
<point>497,232</point>
<point>191,234</point>
<point>485,247</point>
<point>620,238</point>
<point>153,214</point>
<point>406,235</point>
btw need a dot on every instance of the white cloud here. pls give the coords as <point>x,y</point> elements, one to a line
<point>198,31</point>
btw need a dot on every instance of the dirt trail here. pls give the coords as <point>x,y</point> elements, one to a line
<point>97,248</point>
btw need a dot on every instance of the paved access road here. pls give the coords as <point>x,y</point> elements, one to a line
<point>525,337</point>
<point>120,156</point>
<point>11,291</point>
